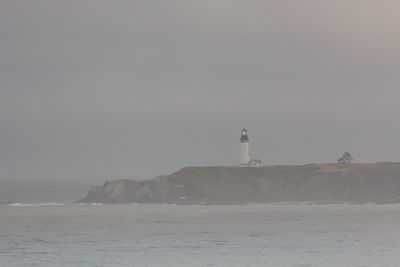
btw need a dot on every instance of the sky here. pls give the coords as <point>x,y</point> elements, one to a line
<point>93,90</point>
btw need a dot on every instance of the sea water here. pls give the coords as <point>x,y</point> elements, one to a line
<point>54,234</point>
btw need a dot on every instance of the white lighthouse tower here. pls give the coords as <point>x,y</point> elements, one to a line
<point>244,149</point>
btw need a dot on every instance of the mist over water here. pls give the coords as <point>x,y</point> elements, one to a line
<point>39,196</point>
<point>166,235</point>
<point>42,191</point>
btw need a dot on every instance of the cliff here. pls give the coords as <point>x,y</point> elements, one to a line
<point>323,183</point>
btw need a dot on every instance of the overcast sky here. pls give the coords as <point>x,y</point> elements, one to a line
<point>91,90</point>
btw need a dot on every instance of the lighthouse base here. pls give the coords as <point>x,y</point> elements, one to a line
<point>242,165</point>
<point>254,163</point>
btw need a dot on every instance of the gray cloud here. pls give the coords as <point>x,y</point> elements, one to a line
<point>91,89</point>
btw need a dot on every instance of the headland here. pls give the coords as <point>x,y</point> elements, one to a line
<point>317,183</point>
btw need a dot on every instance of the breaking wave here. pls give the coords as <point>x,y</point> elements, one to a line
<point>50,204</point>
<point>17,204</point>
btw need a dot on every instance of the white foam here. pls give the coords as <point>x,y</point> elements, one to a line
<point>44,204</point>
<point>88,204</point>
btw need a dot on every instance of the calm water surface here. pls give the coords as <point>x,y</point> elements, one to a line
<point>166,235</point>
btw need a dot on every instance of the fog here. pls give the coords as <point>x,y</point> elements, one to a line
<point>94,90</point>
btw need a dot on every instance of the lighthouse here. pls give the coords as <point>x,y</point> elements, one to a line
<point>244,149</point>
<point>244,153</point>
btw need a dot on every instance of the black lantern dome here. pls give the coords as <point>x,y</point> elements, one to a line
<point>244,137</point>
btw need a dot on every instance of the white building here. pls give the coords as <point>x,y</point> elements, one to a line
<point>244,149</point>
<point>255,163</point>
<point>244,152</point>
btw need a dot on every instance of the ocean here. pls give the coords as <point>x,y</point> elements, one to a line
<point>280,234</point>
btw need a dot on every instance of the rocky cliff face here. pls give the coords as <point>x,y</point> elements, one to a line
<point>228,185</point>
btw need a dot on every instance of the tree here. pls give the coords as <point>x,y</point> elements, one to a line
<point>345,159</point>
